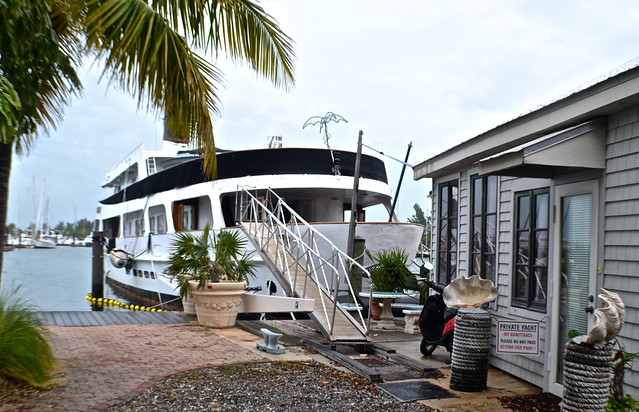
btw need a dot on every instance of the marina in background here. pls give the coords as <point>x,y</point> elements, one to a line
<point>56,279</point>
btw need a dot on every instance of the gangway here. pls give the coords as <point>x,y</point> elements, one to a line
<point>306,264</point>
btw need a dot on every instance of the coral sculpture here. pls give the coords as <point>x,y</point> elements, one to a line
<point>609,319</point>
<point>469,292</point>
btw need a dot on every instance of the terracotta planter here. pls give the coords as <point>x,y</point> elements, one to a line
<point>217,303</point>
<point>376,310</point>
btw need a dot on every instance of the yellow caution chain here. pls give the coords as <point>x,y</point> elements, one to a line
<point>118,304</point>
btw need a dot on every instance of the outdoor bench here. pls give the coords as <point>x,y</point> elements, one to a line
<point>411,313</point>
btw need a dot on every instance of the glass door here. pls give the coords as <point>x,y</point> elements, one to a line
<point>574,269</point>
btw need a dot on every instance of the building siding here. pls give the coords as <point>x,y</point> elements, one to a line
<point>615,256</point>
<point>529,368</point>
<point>619,246</point>
<point>621,226</point>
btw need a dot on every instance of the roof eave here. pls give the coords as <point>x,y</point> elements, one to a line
<point>601,99</point>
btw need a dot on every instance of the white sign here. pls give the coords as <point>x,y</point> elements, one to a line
<point>518,337</point>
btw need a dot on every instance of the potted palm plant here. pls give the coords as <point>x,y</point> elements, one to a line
<point>389,273</point>
<point>214,270</point>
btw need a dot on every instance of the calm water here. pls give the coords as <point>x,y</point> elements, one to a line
<point>51,279</point>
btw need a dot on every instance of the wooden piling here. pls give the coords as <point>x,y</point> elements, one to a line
<point>97,287</point>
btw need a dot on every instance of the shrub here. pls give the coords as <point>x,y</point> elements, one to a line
<point>389,272</point>
<point>26,357</point>
<point>622,362</point>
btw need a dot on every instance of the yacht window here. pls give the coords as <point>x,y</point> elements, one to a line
<point>188,217</point>
<point>111,227</point>
<point>157,219</point>
<point>227,202</point>
<point>360,214</point>
<point>192,214</point>
<point>161,224</point>
<point>184,213</point>
<point>134,223</point>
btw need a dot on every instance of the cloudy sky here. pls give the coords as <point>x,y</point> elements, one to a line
<point>432,73</point>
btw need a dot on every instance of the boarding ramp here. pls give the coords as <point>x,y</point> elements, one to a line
<point>306,263</point>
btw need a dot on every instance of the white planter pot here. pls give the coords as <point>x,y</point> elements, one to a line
<point>216,304</point>
<point>188,304</point>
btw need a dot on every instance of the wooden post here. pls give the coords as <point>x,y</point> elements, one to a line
<point>351,228</point>
<point>97,287</point>
<point>359,245</point>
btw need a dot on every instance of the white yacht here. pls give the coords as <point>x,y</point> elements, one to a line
<point>159,193</point>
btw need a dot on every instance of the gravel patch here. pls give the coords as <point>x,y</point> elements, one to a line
<point>266,386</point>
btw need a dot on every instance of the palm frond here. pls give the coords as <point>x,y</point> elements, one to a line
<point>35,59</point>
<point>209,257</point>
<point>9,106</point>
<point>239,28</point>
<point>389,273</point>
<point>147,57</point>
<point>246,32</point>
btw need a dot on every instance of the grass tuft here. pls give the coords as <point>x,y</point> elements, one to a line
<point>26,357</point>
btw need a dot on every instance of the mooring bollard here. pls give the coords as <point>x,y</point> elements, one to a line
<point>270,344</point>
<point>471,347</point>
<point>586,377</point>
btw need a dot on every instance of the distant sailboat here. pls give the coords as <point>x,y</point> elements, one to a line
<point>45,242</point>
<point>43,238</point>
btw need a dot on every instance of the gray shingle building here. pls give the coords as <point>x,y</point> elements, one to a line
<point>547,206</point>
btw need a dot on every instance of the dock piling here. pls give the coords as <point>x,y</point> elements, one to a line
<point>97,286</point>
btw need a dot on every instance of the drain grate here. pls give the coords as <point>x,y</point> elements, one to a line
<point>415,390</point>
<point>372,362</point>
<point>387,369</point>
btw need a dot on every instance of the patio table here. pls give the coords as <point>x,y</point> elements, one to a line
<point>387,320</point>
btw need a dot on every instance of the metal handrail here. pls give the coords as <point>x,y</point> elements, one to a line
<point>271,219</point>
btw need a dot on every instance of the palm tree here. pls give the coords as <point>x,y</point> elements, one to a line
<point>147,47</point>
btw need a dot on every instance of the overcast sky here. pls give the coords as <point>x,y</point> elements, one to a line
<point>432,73</point>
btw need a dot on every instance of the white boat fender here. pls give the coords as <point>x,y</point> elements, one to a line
<point>119,258</point>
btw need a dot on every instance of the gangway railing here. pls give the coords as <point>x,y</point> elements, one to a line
<point>305,262</point>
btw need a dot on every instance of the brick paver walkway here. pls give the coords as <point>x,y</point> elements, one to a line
<point>102,364</point>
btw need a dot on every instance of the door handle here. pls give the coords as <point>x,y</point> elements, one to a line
<point>589,309</point>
